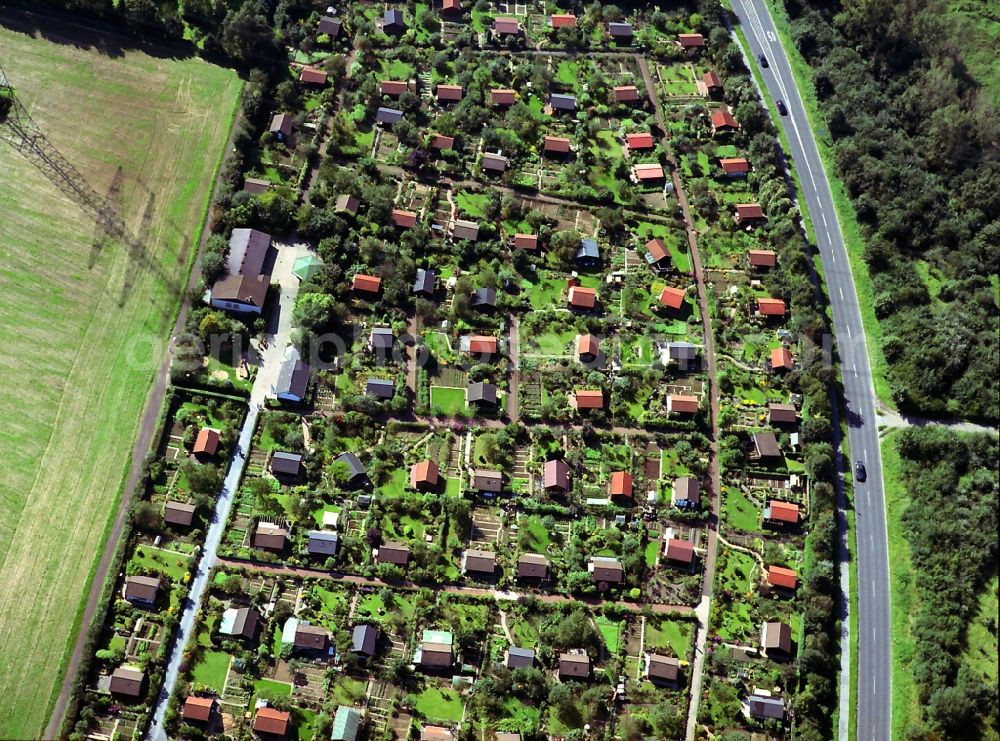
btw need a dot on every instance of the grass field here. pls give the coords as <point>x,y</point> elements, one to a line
<point>447,401</point>
<point>611,632</point>
<point>85,320</point>
<point>981,642</point>
<point>903,599</point>
<point>172,564</point>
<point>211,671</point>
<point>675,634</point>
<point>440,704</point>
<point>741,514</point>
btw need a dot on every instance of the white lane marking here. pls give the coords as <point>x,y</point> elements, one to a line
<point>823,215</point>
<point>848,331</point>
<point>841,289</point>
<point>755,22</point>
<point>762,37</point>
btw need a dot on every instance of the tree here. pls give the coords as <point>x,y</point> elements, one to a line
<point>246,34</point>
<point>263,494</point>
<point>147,516</point>
<point>141,12</point>
<point>213,324</point>
<point>667,722</point>
<point>203,478</point>
<point>314,311</point>
<point>213,259</point>
<point>489,447</point>
<point>561,697</point>
<point>564,246</point>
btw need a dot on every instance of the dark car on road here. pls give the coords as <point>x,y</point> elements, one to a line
<point>781,107</point>
<point>762,59</point>
<point>860,473</point>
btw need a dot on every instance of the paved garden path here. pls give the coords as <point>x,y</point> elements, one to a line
<point>739,363</point>
<point>750,551</point>
<point>514,364</point>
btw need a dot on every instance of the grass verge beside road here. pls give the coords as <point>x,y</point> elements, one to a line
<point>903,596</point>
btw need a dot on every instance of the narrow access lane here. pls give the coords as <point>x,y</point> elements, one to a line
<point>269,366</point>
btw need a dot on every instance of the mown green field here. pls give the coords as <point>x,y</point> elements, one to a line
<point>84,323</point>
<point>904,601</point>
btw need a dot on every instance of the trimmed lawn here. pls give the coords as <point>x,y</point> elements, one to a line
<point>653,549</point>
<point>472,205</point>
<point>348,691</point>
<point>372,606</point>
<point>93,331</point>
<point>525,633</point>
<point>539,536</point>
<point>453,486</point>
<point>305,723</point>
<point>676,79</point>
<point>611,632</point>
<point>735,624</point>
<point>740,572</point>
<point>405,527</point>
<point>639,354</point>
<point>397,69</point>
<point>331,600</point>
<point>607,144</point>
<point>548,291</point>
<point>172,564</point>
<point>447,401</point>
<point>523,716</point>
<point>276,641</point>
<point>567,73</point>
<point>741,513</point>
<point>469,616</point>
<point>397,483</point>
<point>677,635</point>
<point>268,688</point>
<point>212,670</point>
<point>440,704</point>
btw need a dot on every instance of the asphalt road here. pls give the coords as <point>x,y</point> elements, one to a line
<point>873,711</point>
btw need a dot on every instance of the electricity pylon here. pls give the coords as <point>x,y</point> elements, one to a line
<point>20,131</point>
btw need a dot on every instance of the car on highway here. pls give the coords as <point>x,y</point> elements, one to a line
<point>781,107</point>
<point>762,59</point>
<point>860,472</point>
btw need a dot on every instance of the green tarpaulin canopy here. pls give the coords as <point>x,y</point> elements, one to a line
<point>307,266</point>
